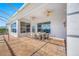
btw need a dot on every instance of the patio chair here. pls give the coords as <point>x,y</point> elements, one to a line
<point>40,36</point>
<point>36,36</point>
<point>45,36</point>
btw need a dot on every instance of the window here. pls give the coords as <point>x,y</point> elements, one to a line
<point>44,27</point>
<point>25,27</point>
<point>33,28</point>
<point>13,27</point>
<point>28,27</point>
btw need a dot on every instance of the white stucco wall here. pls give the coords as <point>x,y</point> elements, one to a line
<point>73,30</point>
<point>9,28</point>
<point>57,19</point>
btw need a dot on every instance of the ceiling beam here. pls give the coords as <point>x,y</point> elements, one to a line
<point>4,12</point>
<point>12,6</point>
<point>2,19</point>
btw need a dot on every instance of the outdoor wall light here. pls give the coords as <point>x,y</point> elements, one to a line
<point>33,17</point>
<point>49,12</point>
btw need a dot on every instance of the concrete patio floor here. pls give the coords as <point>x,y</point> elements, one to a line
<point>4,51</point>
<point>24,46</point>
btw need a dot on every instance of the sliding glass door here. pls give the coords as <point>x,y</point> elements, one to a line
<point>24,27</point>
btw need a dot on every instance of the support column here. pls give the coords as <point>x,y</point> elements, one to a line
<point>18,28</point>
<point>31,28</point>
<point>36,29</point>
<point>73,29</point>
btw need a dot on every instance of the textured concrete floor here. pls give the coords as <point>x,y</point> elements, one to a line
<point>4,51</point>
<point>30,47</point>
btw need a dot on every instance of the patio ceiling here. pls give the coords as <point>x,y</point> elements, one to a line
<point>7,10</point>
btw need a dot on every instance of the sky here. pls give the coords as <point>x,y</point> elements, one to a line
<point>7,11</point>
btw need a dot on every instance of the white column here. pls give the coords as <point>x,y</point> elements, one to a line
<point>18,27</point>
<point>73,29</point>
<point>36,28</point>
<point>31,28</point>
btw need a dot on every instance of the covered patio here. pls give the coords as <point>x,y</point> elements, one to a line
<point>33,33</point>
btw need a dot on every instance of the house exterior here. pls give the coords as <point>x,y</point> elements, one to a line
<point>36,17</point>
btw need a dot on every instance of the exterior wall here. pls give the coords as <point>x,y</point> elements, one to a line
<point>57,22</point>
<point>12,33</point>
<point>73,29</point>
<point>57,19</point>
